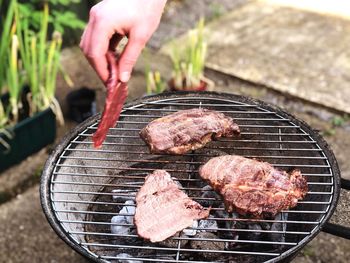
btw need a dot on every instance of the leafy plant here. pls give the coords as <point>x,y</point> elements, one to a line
<point>188,63</point>
<point>60,17</point>
<point>336,122</point>
<point>28,57</point>
<point>216,9</point>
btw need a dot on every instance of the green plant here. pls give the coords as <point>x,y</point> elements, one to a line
<point>28,57</point>
<point>336,121</point>
<point>188,63</point>
<point>41,61</point>
<point>155,83</point>
<point>217,10</point>
<point>14,79</point>
<point>60,17</point>
<point>5,36</point>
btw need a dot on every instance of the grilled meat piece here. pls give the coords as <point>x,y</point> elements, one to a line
<point>116,95</point>
<point>187,130</point>
<point>162,209</point>
<point>253,188</point>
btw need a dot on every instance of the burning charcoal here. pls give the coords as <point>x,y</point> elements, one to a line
<point>121,218</point>
<point>173,243</point>
<point>207,192</point>
<point>124,258</point>
<point>190,231</point>
<point>208,225</point>
<point>207,244</point>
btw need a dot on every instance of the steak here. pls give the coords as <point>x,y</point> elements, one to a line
<point>162,209</point>
<point>116,95</point>
<point>252,187</point>
<point>187,130</point>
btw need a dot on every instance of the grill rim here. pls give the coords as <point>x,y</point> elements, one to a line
<point>47,173</point>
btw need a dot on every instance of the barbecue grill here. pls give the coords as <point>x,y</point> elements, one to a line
<point>82,188</point>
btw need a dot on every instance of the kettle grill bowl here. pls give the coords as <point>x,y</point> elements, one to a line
<point>77,181</point>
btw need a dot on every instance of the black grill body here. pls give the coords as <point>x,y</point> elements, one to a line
<point>83,188</point>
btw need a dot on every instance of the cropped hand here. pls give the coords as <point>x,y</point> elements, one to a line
<point>109,21</point>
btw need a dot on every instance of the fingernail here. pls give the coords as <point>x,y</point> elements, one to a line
<point>125,76</point>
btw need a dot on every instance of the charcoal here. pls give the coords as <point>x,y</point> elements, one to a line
<point>173,243</point>
<point>207,245</point>
<point>208,192</point>
<point>121,218</point>
<point>277,237</point>
<point>190,231</point>
<point>125,259</point>
<point>208,225</point>
<point>123,195</point>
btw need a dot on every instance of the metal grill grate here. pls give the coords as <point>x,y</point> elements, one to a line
<point>88,186</point>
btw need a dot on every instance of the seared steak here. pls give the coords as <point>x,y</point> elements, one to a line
<point>187,130</point>
<point>162,209</point>
<point>253,188</point>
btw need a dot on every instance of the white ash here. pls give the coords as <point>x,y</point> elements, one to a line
<point>277,226</point>
<point>122,218</point>
<point>123,195</point>
<point>190,231</point>
<point>124,258</point>
<point>208,225</point>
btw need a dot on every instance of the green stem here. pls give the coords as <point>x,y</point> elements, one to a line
<point>42,41</point>
<point>5,41</point>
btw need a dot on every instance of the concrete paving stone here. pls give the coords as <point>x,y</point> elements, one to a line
<point>180,16</point>
<point>26,235</point>
<point>296,52</point>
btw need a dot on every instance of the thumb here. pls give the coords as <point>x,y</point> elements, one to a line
<point>129,57</point>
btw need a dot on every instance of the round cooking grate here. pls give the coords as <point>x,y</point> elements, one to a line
<point>83,188</point>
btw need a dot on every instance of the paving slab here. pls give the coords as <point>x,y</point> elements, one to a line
<point>26,235</point>
<point>293,51</point>
<point>180,16</point>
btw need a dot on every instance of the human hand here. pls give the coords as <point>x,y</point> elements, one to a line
<point>109,21</point>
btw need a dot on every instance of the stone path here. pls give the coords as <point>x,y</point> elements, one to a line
<point>295,52</point>
<point>26,235</point>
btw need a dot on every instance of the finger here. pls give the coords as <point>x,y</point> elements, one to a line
<point>86,35</point>
<point>130,55</point>
<point>97,48</point>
